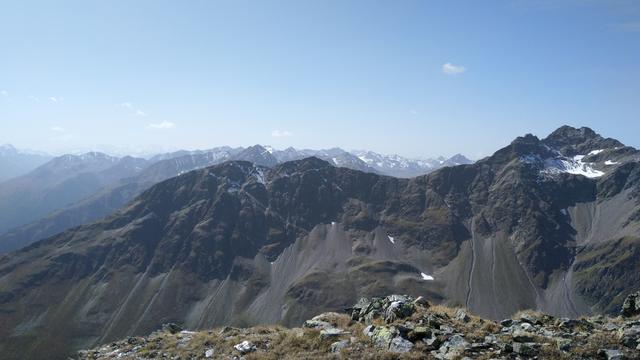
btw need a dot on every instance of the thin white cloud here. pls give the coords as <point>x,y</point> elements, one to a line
<point>451,69</point>
<point>34,98</point>
<point>56,99</point>
<point>413,112</point>
<point>281,133</point>
<point>162,125</point>
<point>4,93</point>
<point>135,111</point>
<point>57,129</point>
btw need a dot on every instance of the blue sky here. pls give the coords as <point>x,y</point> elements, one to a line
<point>413,77</point>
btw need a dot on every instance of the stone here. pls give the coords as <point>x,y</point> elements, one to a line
<point>337,346</point>
<point>398,309</point>
<point>331,333</point>
<point>245,347</point>
<point>629,337</point>
<point>529,318</point>
<point>527,327</point>
<point>433,343</point>
<point>369,330</point>
<point>631,305</point>
<point>524,349</point>
<point>611,354</point>
<point>208,353</point>
<point>316,324</point>
<point>490,339</point>
<point>419,333</point>
<point>400,345</point>
<point>506,322</point>
<point>461,315</point>
<point>382,336</point>
<point>523,337</point>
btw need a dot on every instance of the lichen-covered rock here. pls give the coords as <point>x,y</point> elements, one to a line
<point>382,336</point>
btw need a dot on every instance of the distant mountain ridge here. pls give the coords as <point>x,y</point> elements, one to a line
<point>363,160</point>
<point>15,162</point>
<point>96,184</point>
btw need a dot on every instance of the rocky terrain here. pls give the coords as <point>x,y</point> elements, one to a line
<point>547,224</point>
<point>397,327</point>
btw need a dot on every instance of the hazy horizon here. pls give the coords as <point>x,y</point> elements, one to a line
<point>416,78</point>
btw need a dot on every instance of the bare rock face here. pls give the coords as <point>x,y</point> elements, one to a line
<point>631,305</point>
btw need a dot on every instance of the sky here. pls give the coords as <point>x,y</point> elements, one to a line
<point>417,78</point>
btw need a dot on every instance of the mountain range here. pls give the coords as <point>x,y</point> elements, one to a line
<point>72,190</point>
<point>551,224</point>
<point>14,162</point>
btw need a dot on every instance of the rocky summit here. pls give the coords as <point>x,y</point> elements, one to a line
<point>394,327</point>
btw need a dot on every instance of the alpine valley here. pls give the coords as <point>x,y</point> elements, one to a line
<point>254,236</point>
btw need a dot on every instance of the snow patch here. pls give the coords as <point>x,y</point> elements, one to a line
<point>259,174</point>
<point>393,241</point>
<point>333,223</point>
<point>564,212</point>
<point>426,277</point>
<point>595,152</point>
<point>609,162</point>
<point>562,164</point>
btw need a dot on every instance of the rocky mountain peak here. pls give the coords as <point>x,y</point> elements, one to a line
<point>572,141</point>
<point>258,155</point>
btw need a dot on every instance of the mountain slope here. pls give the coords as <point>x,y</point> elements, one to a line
<point>59,182</point>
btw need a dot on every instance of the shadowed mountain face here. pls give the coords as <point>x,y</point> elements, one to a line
<point>551,224</point>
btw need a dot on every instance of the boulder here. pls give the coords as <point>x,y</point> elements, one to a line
<point>317,324</point>
<point>245,347</point>
<point>631,305</point>
<point>337,346</point>
<point>524,349</point>
<point>462,315</point>
<point>400,345</point>
<point>520,336</point>
<point>611,354</point>
<point>391,308</point>
<point>383,335</point>
<point>629,337</point>
<point>332,333</point>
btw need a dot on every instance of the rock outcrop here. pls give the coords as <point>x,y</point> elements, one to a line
<point>415,330</point>
<point>631,305</point>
